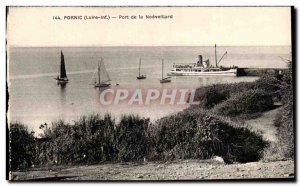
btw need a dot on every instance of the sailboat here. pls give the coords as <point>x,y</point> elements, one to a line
<point>140,76</point>
<point>103,76</point>
<point>164,80</point>
<point>62,76</point>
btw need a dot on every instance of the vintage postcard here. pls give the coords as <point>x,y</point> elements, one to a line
<point>150,93</point>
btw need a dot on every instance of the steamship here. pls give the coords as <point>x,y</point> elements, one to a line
<point>203,68</point>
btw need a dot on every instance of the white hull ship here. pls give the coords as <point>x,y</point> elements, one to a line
<point>202,72</point>
<point>62,75</point>
<point>102,79</point>
<point>202,68</point>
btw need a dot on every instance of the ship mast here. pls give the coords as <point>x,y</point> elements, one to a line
<point>162,69</point>
<point>140,68</point>
<point>216,55</point>
<point>99,70</point>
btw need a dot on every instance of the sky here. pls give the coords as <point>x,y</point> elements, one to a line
<point>189,26</point>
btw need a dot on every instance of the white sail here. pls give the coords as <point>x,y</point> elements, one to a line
<point>93,79</point>
<point>104,76</point>
<point>100,75</point>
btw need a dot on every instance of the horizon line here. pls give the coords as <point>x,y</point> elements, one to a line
<point>75,46</point>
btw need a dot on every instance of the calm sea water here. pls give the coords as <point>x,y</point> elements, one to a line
<point>35,98</point>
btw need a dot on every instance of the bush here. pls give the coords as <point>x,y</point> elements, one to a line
<point>90,140</point>
<point>285,134</point>
<point>194,134</point>
<point>190,134</point>
<point>247,102</point>
<point>212,95</point>
<point>287,87</point>
<point>22,147</point>
<point>94,139</point>
<point>269,83</point>
<point>132,139</point>
<point>285,120</point>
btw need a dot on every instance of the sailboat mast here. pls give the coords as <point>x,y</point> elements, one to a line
<point>140,68</point>
<point>216,55</point>
<point>99,67</point>
<point>162,69</point>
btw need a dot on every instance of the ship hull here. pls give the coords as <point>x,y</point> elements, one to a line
<point>231,72</point>
<point>58,80</point>
<point>165,80</point>
<point>102,85</point>
<point>141,77</point>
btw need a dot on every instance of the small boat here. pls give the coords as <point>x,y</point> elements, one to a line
<point>203,68</point>
<point>164,80</point>
<point>62,75</point>
<point>103,76</point>
<point>140,76</point>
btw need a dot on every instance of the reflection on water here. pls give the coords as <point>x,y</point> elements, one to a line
<point>98,91</point>
<point>63,98</point>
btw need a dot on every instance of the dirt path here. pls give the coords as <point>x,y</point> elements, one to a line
<point>180,170</point>
<point>265,124</point>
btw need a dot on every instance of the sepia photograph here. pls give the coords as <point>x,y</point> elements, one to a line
<point>150,93</point>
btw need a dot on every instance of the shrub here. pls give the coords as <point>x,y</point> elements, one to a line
<point>214,94</point>
<point>247,102</point>
<point>57,143</point>
<point>131,138</point>
<point>211,95</point>
<point>190,134</point>
<point>194,134</point>
<point>269,83</point>
<point>285,133</point>
<point>90,140</point>
<point>22,147</point>
<point>284,147</point>
<point>94,139</point>
<point>284,119</point>
<point>287,87</point>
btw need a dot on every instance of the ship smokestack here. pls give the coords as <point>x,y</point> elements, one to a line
<point>200,60</point>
